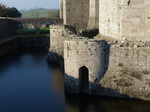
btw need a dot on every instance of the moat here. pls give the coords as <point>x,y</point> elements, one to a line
<point>29,84</point>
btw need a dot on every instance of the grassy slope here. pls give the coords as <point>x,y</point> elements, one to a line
<point>41,12</point>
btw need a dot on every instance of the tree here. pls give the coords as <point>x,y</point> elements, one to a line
<point>9,12</point>
<point>12,12</point>
<point>3,9</point>
<point>52,13</point>
<point>35,13</point>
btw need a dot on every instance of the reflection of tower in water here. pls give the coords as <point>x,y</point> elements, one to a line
<point>57,80</point>
<point>77,103</point>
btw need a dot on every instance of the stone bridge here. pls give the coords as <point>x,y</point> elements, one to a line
<point>36,22</point>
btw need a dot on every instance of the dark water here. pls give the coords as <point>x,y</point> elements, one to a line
<point>29,84</point>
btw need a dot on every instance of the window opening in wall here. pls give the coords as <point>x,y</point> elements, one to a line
<point>129,1</point>
<point>67,50</point>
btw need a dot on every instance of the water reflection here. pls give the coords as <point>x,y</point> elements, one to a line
<point>82,103</point>
<point>57,80</point>
<point>29,84</point>
<point>26,83</point>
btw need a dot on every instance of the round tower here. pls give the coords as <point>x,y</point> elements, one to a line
<point>85,63</point>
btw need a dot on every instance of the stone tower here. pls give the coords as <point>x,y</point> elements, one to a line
<point>93,22</point>
<point>82,14</point>
<point>76,13</point>
<point>85,63</point>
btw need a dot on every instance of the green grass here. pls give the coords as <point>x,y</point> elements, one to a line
<point>44,30</point>
<point>40,12</point>
<point>32,31</point>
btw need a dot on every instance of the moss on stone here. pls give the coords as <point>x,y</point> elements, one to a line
<point>123,83</point>
<point>120,65</point>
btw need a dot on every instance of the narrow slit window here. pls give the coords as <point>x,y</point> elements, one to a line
<point>129,2</point>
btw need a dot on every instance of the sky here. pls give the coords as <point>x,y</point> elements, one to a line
<point>31,4</point>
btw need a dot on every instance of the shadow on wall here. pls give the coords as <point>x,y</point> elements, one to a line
<point>30,42</point>
<point>8,27</point>
<point>107,56</point>
<point>90,33</point>
<point>72,85</point>
<point>34,42</point>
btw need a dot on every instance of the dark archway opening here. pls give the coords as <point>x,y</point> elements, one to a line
<point>84,80</point>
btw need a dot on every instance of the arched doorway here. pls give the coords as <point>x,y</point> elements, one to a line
<point>84,80</point>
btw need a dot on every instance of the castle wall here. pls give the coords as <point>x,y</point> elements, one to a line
<point>136,20</point>
<point>93,14</point>
<point>128,73</point>
<point>125,19</point>
<point>10,44</point>
<point>88,53</point>
<point>56,41</point>
<point>57,32</point>
<point>7,27</point>
<point>76,13</point>
<point>136,59</point>
<point>109,18</point>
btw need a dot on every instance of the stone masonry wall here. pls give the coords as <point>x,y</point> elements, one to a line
<point>109,18</point>
<point>57,32</point>
<point>125,19</point>
<point>24,42</point>
<point>128,73</point>
<point>76,13</point>
<point>56,42</point>
<point>130,58</point>
<point>135,20</point>
<point>34,42</point>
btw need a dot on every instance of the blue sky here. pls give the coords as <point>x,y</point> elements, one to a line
<point>30,4</point>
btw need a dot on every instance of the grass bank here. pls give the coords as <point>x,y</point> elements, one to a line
<point>32,31</point>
